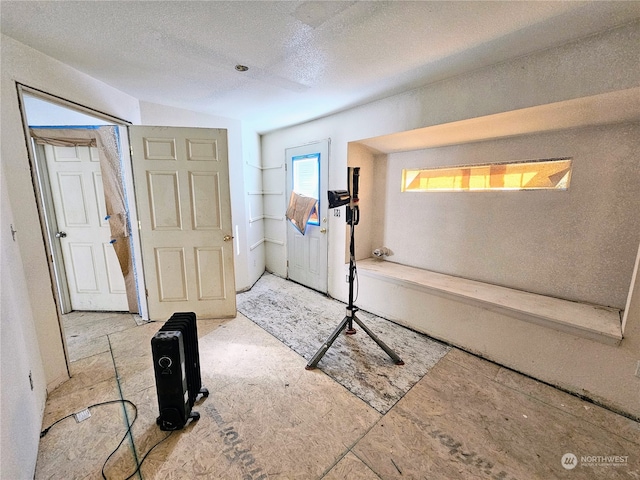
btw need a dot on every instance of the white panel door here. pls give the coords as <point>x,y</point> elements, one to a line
<point>181,178</point>
<point>307,173</point>
<point>93,273</point>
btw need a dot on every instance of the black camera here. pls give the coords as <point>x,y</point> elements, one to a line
<point>338,198</point>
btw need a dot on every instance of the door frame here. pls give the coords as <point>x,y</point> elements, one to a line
<point>46,211</point>
<point>322,146</point>
<point>51,221</point>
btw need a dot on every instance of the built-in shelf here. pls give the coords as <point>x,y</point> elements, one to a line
<point>595,322</point>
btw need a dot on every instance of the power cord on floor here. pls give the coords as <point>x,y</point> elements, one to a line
<point>46,430</point>
<point>135,417</point>
<point>144,457</point>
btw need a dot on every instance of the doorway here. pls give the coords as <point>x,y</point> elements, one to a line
<point>69,173</point>
<point>193,166</point>
<point>308,174</point>
<point>41,109</point>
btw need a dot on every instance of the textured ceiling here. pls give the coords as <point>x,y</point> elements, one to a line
<point>306,59</point>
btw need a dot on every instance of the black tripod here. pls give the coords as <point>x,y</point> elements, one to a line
<point>353,216</point>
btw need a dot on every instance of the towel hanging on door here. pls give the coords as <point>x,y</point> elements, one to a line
<point>300,210</point>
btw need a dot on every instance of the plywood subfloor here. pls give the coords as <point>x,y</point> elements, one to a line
<point>84,342</point>
<point>465,422</point>
<point>268,417</point>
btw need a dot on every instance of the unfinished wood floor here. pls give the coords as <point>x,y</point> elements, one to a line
<point>268,417</point>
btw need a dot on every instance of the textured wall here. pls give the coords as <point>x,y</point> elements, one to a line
<point>578,244</point>
<point>26,270</point>
<point>599,64</point>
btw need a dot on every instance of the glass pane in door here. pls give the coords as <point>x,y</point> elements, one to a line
<point>306,180</point>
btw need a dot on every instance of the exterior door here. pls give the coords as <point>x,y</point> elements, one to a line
<point>94,278</point>
<point>181,179</point>
<point>307,174</point>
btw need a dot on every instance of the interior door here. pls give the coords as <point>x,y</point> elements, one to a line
<point>94,277</point>
<point>307,174</point>
<point>181,179</point>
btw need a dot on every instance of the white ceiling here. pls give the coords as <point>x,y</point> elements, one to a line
<point>306,59</point>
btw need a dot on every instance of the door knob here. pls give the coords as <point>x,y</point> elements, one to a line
<point>323,230</point>
<point>61,234</point>
<point>226,238</point>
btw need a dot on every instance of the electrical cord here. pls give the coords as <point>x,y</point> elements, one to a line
<point>355,277</point>
<point>357,280</point>
<point>135,417</point>
<point>128,431</point>
<point>145,456</point>
<point>46,430</point>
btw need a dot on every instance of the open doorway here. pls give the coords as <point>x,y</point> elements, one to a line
<point>180,188</point>
<point>85,269</point>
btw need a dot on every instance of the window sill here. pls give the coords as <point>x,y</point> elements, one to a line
<point>594,322</point>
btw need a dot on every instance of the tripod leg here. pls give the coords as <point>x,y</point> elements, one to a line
<point>380,343</point>
<point>325,346</point>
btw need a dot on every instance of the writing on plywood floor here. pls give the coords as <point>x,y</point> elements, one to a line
<point>268,418</point>
<point>303,319</point>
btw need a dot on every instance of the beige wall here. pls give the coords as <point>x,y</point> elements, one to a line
<point>20,356</point>
<point>597,65</point>
<point>368,234</point>
<point>30,321</point>
<point>578,244</point>
<point>568,72</point>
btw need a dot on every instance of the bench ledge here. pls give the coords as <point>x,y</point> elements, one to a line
<point>595,322</point>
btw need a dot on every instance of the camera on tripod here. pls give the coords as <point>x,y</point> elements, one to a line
<point>338,198</point>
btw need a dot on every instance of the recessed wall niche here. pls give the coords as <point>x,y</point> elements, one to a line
<point>551,242</point>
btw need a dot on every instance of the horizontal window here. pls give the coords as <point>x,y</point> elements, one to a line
<point>548,174</point>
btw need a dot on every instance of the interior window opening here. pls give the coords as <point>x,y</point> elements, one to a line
<point>546,174</point>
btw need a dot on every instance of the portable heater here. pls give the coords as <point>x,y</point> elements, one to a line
<point>176,362</point>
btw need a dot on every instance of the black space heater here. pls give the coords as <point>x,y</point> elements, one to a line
<point>176,363</point>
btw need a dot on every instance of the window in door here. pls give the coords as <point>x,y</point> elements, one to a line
<point>306,180</point>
